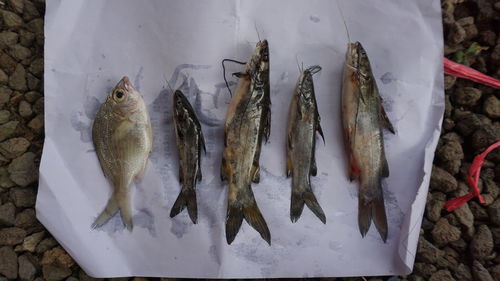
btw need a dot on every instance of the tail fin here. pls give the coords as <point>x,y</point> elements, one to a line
<point>372,208</point>
<point>187,198</point>
<point>301,196</point>
<point>118,201</point>
<point>245,208</point>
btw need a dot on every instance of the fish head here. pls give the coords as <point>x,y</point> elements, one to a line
<point>305,85</point>
<point>182,107</point>
<point>357,59</point>
<point>123,96</point>
<point>259,62</point>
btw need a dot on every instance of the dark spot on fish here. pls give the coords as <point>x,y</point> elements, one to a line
<point>387,78</point>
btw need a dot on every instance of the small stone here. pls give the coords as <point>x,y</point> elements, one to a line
<point>451,166</point>
<point>23,170</point>
<point>27,270</point>
<point>23,197</point>
<point>5,179</point>
<point>39,105</point>
<point>7,214</point>
<point>25,218</point>
<point>442,275</point>
<point>36,67</point>
<point>8,38</point>
<point>494,212</point>
<point>36,123</point>
<point>4,95</point>
<point>433,208</point>
<point>45,245</point>
<point>4,116</point>
<point>8,262</point>
<point>491,106</point>
<point>7,63</point>
<point>32,96</point>
<point>4,78</point>
<point>451,150</point>
<point>26,38</point>
<point>465,216</point>
<point>456,34</point>
<point>488,37</point>
<point>11,19</point>
<point>18,79</point>
<point>7,129</point>
<point>428,253</point>
<point>471,31</point>
<point>495,270</point>
<point>462,273</point>
<point>480,273</point>
<point>25,109</point>
<point>448,107</point>
<point>449,81</point>
<point>58,256</point>
<point>55,273</point>
<point>467,122</point>
<point>466,95</point>
<point>442,180</point>
<point>480,213</point>
<point>481,245</point>
<point>460,245</point>
<point>444,233</point>
<point>11,236</point>
<point>426,270</point>
<point>466,21</point>
<point>33,82</point>
<point>484,137</point>
<point>30,11</point>
<point>14,147</point>
<point>17,5</point>
<point>448,124</point>
<point>30,242</point>
<point>20,52</point>
<point>36,26</point>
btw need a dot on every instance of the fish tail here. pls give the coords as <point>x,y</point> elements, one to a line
<point>301,196</point>
<point>247,209</point>
<point>125,206</point>
<point>187,198</point>
<point>372,207</point>
<point>109,211</point>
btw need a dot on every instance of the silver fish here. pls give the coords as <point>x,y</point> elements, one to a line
<point>123,139</point>
<point>248,120</point>
<point>363,118</point>
<point>190,141</point>
<point>303,123</point>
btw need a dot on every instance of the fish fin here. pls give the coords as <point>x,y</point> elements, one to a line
<point>186,198</point>
<point>255,173</point>
<point>256,220</point>
<point>109,211</point>
<point>125,206</point>
<point>234,219</point>
<point>385,167</point>
<point>198,174</point>
<point>354,170</point>
<point>314,168</point>
<point>223,175</point>
<point>241,75</point>
<point>202,142</point>
<point>181,174</point>
<point>372,208</point>
<point>299,198</point>
<point>320,131</point>
<point>385,120</point>
<point>289,166</point>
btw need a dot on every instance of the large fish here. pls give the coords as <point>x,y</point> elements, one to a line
<point>123,139</point>
<point>248,120</point>
<point>190,141</point>
<point>303,123</point>
<point>363,118</point>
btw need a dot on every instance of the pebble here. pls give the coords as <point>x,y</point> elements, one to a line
<point>4,95</point>
<point>444,233</point>
<point>17,80</point>
<point>7,214</point>
<point>480,213</point>
<point>465,217</point>
<point>466,96</point>
<point>30,242</point>
<point>428,253</point>
<point>481,245</point>
<point>4,78</point>
<point>494,212</point>
<point>495,272</point>
<point>55,273</point>
<point>480,273</point>
<point>4,116</point>
<point>23,170</point>
<point>491,107</point>
<point>451,150</point>
<point>23,197</point>
<point>27,268</point>
<point>17,5</point>
<point>484,137</point>
<point>462,272</point>
<point>449,81</point>
<point>36,67</point>
<point>7,63</point>
<point>25,218</point>
<point>32,96</point>
<point>5,179</point>
<point>466,122</point>
<point>7,129</point>
<point>426,270</point>
<point>14,147</point>
<point>26,38</point>
<point>10,19</point>
<point>30,11</point>
<point>45,245</point>
<point>19,52</point>
<point>456,34</point>
<point>37,122</point>
<point>442,180</point>
<point>488,37</point>
<point>442,275</point>
<point>8,262</point>
<point>25,109</point>
<point>8,38</point>
<point>36,26</point>
<point>57,256</point>
<point>11,236</point>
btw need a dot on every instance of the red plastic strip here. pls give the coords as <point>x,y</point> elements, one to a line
<point>472,180</point>
<point>462,71</point>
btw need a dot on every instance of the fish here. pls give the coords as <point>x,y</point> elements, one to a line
<point>190,142</point>
<point>363,119</point>
<point>303,124</point>
<point>123,140</point>
<point>248,121</point>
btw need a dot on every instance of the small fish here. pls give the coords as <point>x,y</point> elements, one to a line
<point>303,123</point>
<point>123,139</point>
<point>363,118</point>
<point>248,120</point>
<point>190,141</point>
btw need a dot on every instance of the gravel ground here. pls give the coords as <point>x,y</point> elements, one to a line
<point>461,245</point>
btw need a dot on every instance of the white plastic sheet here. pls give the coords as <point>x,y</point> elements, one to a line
<point>91,44</point>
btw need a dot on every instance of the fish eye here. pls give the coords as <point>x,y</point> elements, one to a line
<point>119,95</point>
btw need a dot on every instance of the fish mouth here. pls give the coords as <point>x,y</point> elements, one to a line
<point>125,84</point>
<point>352,54</point>
<point>263,46</point>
